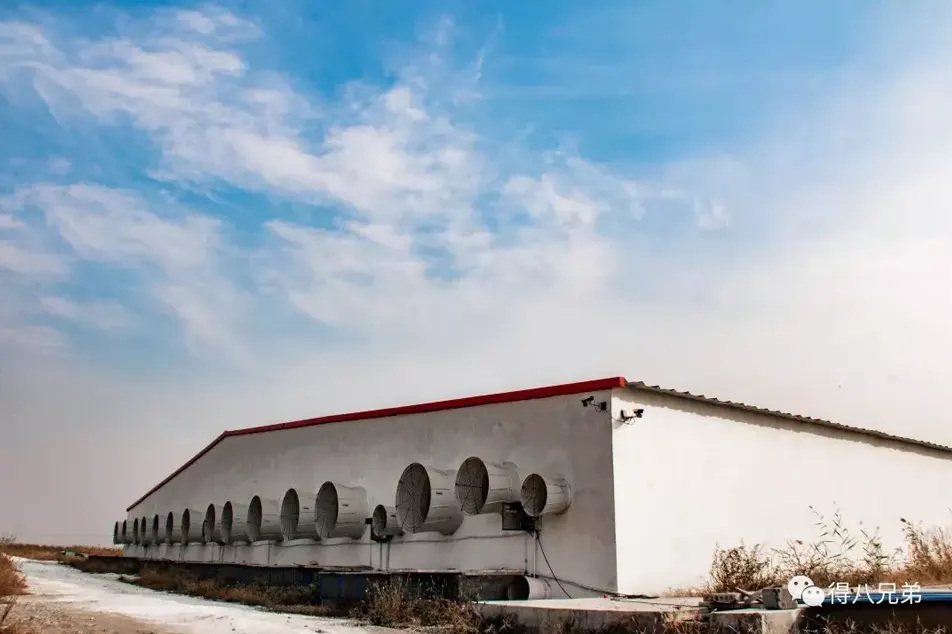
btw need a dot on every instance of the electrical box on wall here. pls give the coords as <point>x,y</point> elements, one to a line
<point>514,518</point>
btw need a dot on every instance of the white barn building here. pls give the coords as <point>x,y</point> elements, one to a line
<point>630,487</point>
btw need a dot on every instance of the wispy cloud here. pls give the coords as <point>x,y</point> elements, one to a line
<point>395,231</point>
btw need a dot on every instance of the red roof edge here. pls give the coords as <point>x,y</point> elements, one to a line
<point>564,389</point>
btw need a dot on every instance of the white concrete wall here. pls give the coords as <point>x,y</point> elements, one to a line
<point>689,476</point>
<point>554,435</point>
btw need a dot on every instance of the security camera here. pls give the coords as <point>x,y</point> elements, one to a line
<point>588,401</point>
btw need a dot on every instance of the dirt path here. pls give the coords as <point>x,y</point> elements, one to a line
<point>63,600</point>
<point>46,615</point>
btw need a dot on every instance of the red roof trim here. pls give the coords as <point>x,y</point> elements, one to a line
<point>424,408</point>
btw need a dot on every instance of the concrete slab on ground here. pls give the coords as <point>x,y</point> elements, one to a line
<point>645,615</point>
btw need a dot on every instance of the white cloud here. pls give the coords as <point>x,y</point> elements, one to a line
<point>32,263</point>
<point>179,254</point>
<point>822,292</point>
<point>100,314</point>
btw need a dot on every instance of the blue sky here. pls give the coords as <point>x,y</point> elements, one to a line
<point>218,215</point>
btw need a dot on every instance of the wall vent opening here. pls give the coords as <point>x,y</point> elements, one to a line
<point>227,519</point>
<point>483,487</point>
<point>384,523</point>
<point>426,501</point>
<point>254,519</point>
<point>340,511</point>
<point>542,495</point>
<point>170,528</point>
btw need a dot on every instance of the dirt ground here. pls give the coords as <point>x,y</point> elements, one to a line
<point>45,615</point>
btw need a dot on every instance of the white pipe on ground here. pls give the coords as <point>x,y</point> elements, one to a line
<point>173,528</point>
<point>482,487</point>
<point>297,514</point>
<point>264,519</point>
<point>545,495</point>
<point>191,526</point>
<point>426,501</point>
<point>234,523</point>
<point>529,588</point>
<point>341,511</point>
<point>384,522</point>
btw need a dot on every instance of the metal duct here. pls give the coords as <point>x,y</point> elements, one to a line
<point>340,511</point>
<point>173,528</point>
<point>158,533</point>
<point>541,495</point>
<point>483,487</point>
<point>297,515</point>
<point>191,526</point>
<point>529,588</point>
<point>211,526</point>
<point>234,523</point>
<point>426,501</point>
<point>384,522</point>
<point>116,539</point>
<point>264,519</point>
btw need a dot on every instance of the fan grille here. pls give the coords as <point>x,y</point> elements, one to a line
<point>413,498</point>
<point>326,509</point>
<point>254,519</point>
<point>169,527</point>
<point>227,518</point>
<point>472,485</point>
<point>535,494</point>
<point>378,521</point>
<point>290,514</point>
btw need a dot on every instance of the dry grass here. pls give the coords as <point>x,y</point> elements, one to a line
<point>10,546</point>
<point>12,585</point>
<point>293,599</point>
<point>838,555</point>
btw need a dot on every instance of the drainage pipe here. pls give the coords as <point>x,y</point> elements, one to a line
<point>529,588</point>
<point>297,515</point>
<point>340,511</point>
<point>191,526</point>
<point>234,523</point>
<point>545,495</point>
<point>264,519</point>
<point>426,501</point>
<point>483,487</point>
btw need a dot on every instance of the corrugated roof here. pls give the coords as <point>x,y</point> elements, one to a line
<point>657,389</point>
